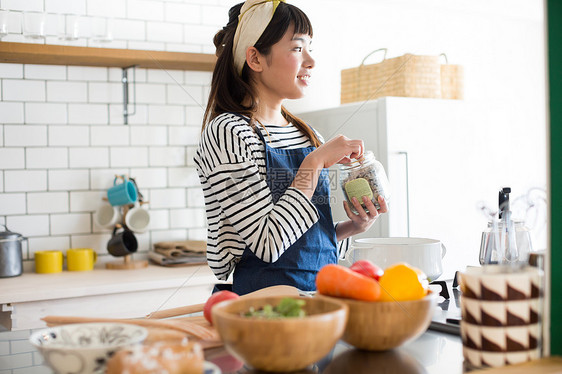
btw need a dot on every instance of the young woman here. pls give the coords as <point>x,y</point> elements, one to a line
<point>263,170</point>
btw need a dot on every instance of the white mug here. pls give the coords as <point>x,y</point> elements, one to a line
<point>137,219</point>
<point>425,254</point>
<point>107,216</point>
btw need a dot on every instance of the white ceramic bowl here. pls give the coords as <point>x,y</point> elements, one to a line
<point>84,347</point>
<point>425,254</point>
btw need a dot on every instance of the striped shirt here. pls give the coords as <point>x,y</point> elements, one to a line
<point>230,162</point>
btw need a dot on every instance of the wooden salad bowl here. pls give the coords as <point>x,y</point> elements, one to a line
<point>281,344</point>
<point>380,325</point>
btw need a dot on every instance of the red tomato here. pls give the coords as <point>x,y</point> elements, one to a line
<point>367,268</point>
<point>216,298</point>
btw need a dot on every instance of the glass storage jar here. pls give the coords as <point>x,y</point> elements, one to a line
<point>364,177</point>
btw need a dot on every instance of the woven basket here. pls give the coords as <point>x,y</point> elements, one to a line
<point>407,76</point>
<point>452,80</point>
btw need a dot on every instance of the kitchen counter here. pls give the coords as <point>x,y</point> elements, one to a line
<point>101,293</point>
<point>434,352</point>
<point>431,353</point>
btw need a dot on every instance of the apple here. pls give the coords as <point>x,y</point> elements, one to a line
<point>216,298</point>
<point>367,268</point>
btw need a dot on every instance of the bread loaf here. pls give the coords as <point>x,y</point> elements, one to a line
<point>158,358</point>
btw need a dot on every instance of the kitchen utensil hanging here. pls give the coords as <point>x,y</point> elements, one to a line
<point>125,82</point>
<point>128,262</point>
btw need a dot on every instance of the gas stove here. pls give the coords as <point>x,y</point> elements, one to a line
<point>447,314</point>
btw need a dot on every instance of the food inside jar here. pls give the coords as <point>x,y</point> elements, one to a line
<point>361,183</point>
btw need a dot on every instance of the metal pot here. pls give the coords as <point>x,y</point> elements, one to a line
<point>11,263</point>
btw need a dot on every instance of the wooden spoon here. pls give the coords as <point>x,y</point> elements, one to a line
<point>280,290</point>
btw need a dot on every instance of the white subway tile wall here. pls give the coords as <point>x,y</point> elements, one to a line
<point>65,6</point>
<point>63,138</point>
<point>62,133</point>
<point>11,112</point>
<point>45,113</point>
<point>11,70</point>
<point>44,72</point>
<point>25,135</point>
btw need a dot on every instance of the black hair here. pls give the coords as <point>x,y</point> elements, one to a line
<point>232,92</point>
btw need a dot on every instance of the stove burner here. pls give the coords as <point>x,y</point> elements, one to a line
<point>444,291</point>
<point>447,313</point>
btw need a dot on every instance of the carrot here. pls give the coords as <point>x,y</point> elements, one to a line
<point>339,281</point>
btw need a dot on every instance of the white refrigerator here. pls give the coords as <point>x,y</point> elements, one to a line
<point>441,158</point>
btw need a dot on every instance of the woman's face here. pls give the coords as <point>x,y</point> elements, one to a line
<point>288,66</point>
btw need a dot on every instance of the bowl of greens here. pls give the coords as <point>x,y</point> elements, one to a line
<point>280,333</point>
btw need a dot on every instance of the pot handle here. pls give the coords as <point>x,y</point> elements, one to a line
<point>444,250</point>
<point>6,229</point>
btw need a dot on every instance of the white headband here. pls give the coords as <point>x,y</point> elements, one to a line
<point>254,17</point>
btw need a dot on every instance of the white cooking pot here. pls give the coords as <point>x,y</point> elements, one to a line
<point>425,254</point>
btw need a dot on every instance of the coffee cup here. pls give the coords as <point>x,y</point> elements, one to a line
<point>137,219</point>
<point>107,216</point>
<point>122,193</point>
<point>47,262</point>
<point>80,259</point>
<point>122,243</point>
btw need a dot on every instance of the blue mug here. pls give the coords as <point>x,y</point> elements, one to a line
<point>123,193</point>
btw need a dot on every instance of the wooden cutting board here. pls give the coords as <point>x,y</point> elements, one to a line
<point>201,321</point>
<point>546,365</point>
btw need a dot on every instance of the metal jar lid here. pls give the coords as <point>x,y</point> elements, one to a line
<point>9,236</point>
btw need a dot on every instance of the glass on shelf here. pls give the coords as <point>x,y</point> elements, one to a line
<point>34,25</point>
<point>4,14</point>
<point>101,29</point>
<point>68,26</point>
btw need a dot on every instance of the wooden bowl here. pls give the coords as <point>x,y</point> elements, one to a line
<point>379,325</point>
<point>284,344</point>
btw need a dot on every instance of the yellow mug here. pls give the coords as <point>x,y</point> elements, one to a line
<point>48,262</point>
<point>80,259</point>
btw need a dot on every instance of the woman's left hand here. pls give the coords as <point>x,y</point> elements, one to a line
<point>362,221</point>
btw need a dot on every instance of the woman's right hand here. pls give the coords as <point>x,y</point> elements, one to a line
<point>339,149</point>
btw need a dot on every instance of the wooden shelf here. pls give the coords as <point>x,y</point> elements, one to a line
<point>46,54</point>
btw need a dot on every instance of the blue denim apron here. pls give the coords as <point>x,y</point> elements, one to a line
<point>317,247</point>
